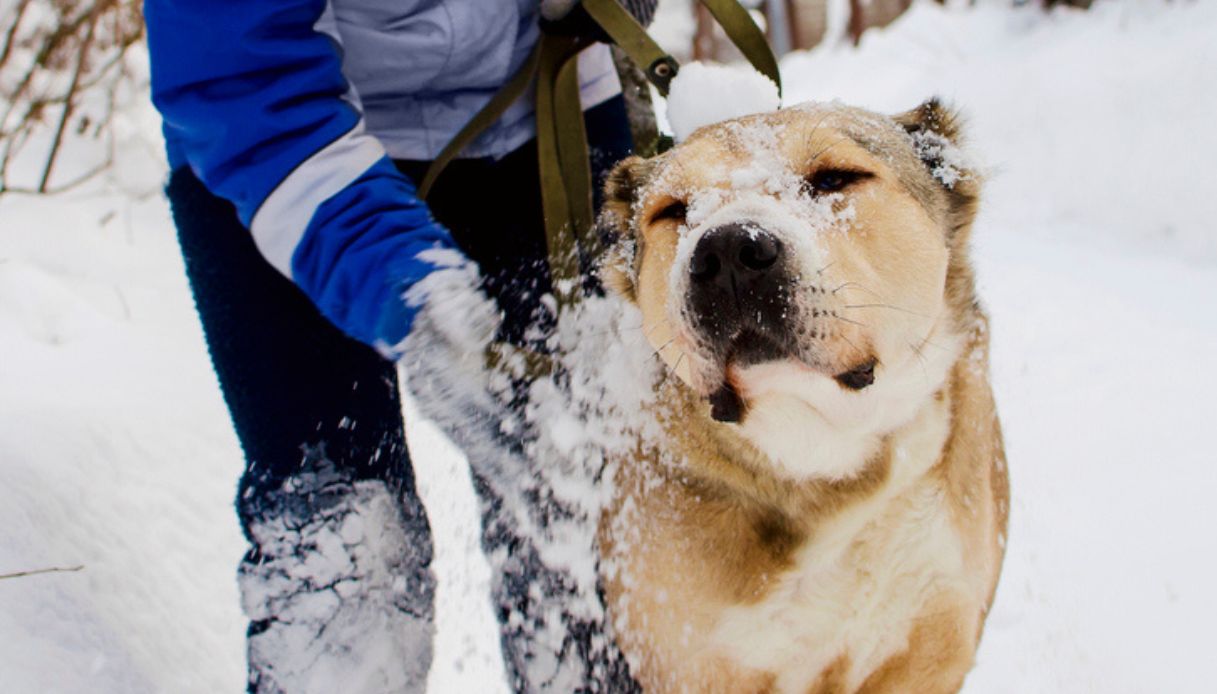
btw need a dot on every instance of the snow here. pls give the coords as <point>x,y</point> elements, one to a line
<point>1104,367</point>
<point>1099,120</point>
<point>331,583</point>
<point>1097,258</point>
<point>703,93</point>
<point>115,454</point>
<point>950,161</point>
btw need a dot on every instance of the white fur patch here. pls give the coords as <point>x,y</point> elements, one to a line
<point>813,428</point>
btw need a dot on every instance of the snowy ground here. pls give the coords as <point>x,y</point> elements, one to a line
<point>1098,260</point>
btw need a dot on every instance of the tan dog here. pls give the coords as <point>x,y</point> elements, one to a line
<point>827,512</point>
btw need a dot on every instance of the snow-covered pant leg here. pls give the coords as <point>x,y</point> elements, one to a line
<point>553,639</point>
<point>551,643</point>
<point>333,587</point>
<point>337,583</point>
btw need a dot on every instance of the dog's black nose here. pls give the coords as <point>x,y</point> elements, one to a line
<point>734,256</point>
<point>738,282</point>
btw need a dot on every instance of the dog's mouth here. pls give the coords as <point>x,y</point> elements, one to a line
<point>726,405</point>
<point>747,348</point>
<point>752,348</point>
<point>858,377</point>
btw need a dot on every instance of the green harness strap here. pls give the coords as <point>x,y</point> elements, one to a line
<point>633,39</point>
<point>660,67</point>
<point>566,179</point>
<point>505,97</point>
<point>562,157</point>
<point>747,37</point>
<point>566,175</point>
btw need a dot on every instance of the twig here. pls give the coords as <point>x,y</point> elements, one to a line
<point>84,47</point>
<point>72,91</point>
<point>62,187</point>
<point>12,32</point>
<point>49,570</point>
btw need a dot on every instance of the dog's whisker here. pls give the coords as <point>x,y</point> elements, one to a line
<point>859,287</point>
<point>888,306</point>
<point>927,342</point>
<point>817,155</point>
<point>850,342</point>
<point>815,128</point>
<point>676,367</point>
<point>658,350</point>
<point>847,320</point>
<point>925,371</point>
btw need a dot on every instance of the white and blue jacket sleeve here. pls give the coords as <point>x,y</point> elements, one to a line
<point>253,101</point>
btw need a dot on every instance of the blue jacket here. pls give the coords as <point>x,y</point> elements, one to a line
<point>294,109</point>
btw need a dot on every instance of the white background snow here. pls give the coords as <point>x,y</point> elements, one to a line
<point>1097,254</point>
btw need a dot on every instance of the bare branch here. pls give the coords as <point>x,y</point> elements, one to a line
<point>49,570</point>
<point>9,35</point>
<point>67,105</point>
<point>69,54</point>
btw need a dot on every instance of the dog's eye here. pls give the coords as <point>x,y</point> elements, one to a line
<point>834,180</point>
<point>675,211</point>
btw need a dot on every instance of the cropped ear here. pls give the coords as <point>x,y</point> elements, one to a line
<point>616,223</point>
<point>932,117</point>
<point>937,133</point>
<point>624,183</point>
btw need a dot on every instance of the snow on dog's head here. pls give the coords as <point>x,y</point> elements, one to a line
<point>702,94</point>
<point>804,271</point>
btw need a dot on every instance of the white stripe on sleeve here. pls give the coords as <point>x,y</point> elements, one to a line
<point>280,222</point>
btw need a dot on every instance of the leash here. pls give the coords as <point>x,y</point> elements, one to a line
<point>562,153</point>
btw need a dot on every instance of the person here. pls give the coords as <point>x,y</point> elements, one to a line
<point>297,131</point>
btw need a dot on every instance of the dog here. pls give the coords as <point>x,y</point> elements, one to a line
<point>825,511</point>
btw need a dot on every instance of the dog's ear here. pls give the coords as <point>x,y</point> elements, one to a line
<point>932,117</point>
<point>616,223</point>
<point>624,182</point>
<point>937,134</point>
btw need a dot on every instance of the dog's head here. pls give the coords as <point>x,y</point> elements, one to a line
<point>804,271</point>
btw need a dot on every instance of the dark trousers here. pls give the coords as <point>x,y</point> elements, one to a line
<point>298,389</point>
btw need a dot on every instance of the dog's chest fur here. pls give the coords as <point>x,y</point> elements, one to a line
<point>833,609</point>
<point>860,582</point>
